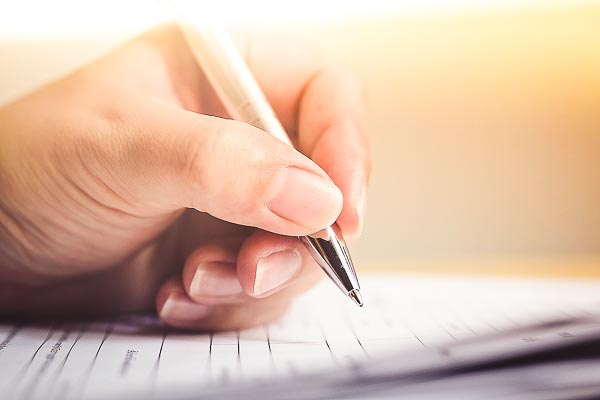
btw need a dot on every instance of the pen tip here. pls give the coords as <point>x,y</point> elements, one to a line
<point>356,297</point>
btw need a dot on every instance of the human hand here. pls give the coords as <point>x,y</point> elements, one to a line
<point>124,186</point>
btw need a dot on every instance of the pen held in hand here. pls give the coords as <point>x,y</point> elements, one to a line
<point>244,100</point>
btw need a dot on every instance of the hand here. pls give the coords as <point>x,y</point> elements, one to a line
<point>123,186</point>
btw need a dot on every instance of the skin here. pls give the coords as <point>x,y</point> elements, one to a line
<point>125,188</point>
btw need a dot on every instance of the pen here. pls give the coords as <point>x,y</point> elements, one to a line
<point>243,99</point>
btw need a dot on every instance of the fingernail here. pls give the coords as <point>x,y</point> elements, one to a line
<point>214,279</point>
<point>304,198</point>
<point>274,270</point>
<point>179,307</point>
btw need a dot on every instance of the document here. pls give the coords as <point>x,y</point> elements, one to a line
<point>412,329</point>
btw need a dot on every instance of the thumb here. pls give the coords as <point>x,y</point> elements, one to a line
<point>241,174</point>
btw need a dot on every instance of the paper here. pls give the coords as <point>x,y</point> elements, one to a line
<point>140,358</point>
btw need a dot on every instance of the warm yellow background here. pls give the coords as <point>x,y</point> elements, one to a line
<point>485,128</point>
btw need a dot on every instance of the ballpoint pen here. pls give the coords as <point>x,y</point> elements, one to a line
<point>243,99</point>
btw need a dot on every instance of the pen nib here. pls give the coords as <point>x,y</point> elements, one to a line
<point>356,297</point>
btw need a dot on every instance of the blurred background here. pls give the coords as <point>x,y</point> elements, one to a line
<point>485,116</point>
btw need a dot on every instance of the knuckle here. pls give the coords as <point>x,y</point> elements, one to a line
<point>205,149</point>
<point>230,162</point>
<point>198,151</point>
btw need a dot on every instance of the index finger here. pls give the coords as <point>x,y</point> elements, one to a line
<point>322,106</point>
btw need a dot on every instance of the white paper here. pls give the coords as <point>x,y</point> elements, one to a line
<point>323,331</point>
